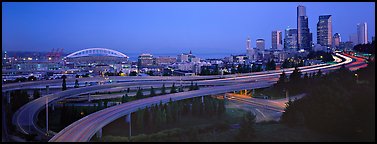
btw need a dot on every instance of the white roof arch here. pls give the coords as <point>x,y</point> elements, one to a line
<point>96,52</point>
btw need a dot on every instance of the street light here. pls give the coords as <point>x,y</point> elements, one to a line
<point>357,77</point>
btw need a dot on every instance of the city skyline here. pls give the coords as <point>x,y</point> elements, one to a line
<point>165,27</point>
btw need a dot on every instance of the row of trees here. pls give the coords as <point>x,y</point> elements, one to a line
<point>320,55</point>
<point>340,103</point>
<point>155,117</point>
<point>18,99</point>
<point>271,65</point>
<point>369,48</point>
<point>296,83</point>
<point>64,83</point>
<point>289,63</point>
<point>247,127</point>
<point>139,93</point>
<point>70,114</point>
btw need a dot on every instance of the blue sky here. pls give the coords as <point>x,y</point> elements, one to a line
<point>166,27</point>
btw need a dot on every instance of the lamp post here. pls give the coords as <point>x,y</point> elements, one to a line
<point>357,77</point>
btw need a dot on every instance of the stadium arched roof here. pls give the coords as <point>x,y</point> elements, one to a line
<point>96,52</point>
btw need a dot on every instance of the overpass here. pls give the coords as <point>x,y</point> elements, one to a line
<point>85,128</point>
<point>231,82</point>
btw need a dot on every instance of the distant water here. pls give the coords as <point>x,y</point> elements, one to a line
<point>134,56</point>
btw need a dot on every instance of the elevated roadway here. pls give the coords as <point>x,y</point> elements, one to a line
<point>229,82</point>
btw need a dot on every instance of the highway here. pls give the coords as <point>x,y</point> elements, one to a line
<point>83,129</point>
<point>122,79</point>
<point>264,109</point>
<point>231,82</point>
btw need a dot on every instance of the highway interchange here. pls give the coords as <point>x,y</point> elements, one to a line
<point>86,127</point>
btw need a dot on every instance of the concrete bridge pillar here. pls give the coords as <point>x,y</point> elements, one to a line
<point>53,107</point>
<point>7,94</point>
<point>202,99</point>
<point>47,89</point>
<point>89,98</point>
<point>99,133</point>
<point>286,95</point>
<point>128,120</point>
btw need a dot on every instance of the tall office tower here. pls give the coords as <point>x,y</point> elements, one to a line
<point>276,42</point>
<point>311,40</point>
<point>324,30</point>
<point>362,33</point>
<point>353,38</point>
<point>303,32</point>
<point>336,40</point>
<point>290,39</point>
<point>248,43</point>
<point>250,52</point>
<point>260,44</point>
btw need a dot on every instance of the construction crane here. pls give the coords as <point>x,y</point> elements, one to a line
<point>58,54</point>
<point>49,54</point>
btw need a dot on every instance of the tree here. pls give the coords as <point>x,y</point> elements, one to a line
<point>256,68</point>
<point>31,78</point>
<point>247,129</point>
<point>133,73</point>
<point>319,73</point>
<point>191,86</point>
<point>173,89</point>
<point>128,90</point>
<point>139,119</point>
<point>105,103</point>
<point>152,93</point>
<point>295,75</point>
<point>163,89</point>
<point>295,84</point>
<point>196,87</point>
<point>125,98</point>
<point>120,73</point>
<point>139,93</point>
<point>282,79</point>
<point>286,64</point>
<point>19,98</point>
<point>76,84</point>
<point>21,79</point>
<point>150,73</point>
<point>36,94</point>
<point>271,65</point>
<point>180,89</point>
<point>64,84</point>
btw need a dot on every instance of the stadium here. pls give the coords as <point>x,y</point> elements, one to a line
<point>96,56</point>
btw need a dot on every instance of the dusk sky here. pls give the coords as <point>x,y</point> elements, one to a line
<point>166,27</point>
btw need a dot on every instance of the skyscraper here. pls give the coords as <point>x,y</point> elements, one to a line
<point>353,38</point>
<point>303,32</point>
<point>324,30</point>
<point>336,40</point>
<point>362,33</point>
<point>250,52</point>
<point>248,43</point>
<point>276,42</point>
<point>290,39</point>
<point>260,44</point>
